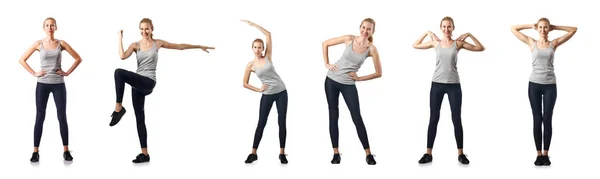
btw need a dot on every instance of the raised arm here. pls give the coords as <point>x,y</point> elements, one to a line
<point>570,32</point>
<point>168,45</point>
<point>516,30</point>
<point>269,46</point>
<point>347,39</point>
<point>430,44</point>
<point>376,62</point>
<point>122,53</point>
<point>466,45</point>
<point>73,54</point>
<point>247,80</point>
<point>25,57</point>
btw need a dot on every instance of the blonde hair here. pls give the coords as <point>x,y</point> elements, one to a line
<point>543,19</point>
<point>50,18</point>
<point>447,18</point>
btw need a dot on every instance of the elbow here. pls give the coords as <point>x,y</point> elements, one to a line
<point>481,48</point>
<point>78,60</point>
<point>415,46</point>
<point>378,74</point>
<point>324,45</point>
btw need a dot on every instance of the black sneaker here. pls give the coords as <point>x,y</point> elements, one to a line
<point>371,160</point>
<point>35,157</point>
<point>283,159</point>
<point>426,159</point>
<point>116,116</point>
<point>251,158</point>
<point>67,156</point>
<point>462,158</point>
<point>141,158</point>
<point>539,161</point>
<point>336,159</point>
<point>546,160</point>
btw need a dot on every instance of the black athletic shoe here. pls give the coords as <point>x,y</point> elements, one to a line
<point>283,159</point>
<point>251,158</point>
<point>67,156</point>
<point>116,116</point>
<point>336,159</point>
<point>35,157</point>
<point>539,161</point>
<point>426,159</point>
<point>141,158</point>
<point>371,160</point>
<point>462,158</point>
<point>546,160</point>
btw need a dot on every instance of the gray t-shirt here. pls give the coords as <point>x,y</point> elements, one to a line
<point>543,65</point>
<point>445,65</point>
<point>349,62</point>
<point>269,76</point>
<point>147,61</point>
<point>50,62</point>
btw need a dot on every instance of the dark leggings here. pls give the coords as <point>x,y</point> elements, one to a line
<point>350,94</point>
<point>42,93</point>
<point>542,95</point>
<point>436,97</point>
<point>141,87</point>
<point>266,102</point>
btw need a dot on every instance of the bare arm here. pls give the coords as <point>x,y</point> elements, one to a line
<point>478,47</point>
<point>420,45</point>
<point>168,45</point>
<point>516,30</point>
<point>73,54</point>
<point>570,32</point>
<point>331,42</point>
<point>269,47</point>
<point>26,55</point>
<point>247,79</point>
<point>376,62</point>
<point>122,53</point>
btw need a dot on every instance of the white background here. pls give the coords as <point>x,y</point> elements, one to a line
<point>201,120</point>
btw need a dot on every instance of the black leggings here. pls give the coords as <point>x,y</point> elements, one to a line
<point>42,93</point>
<point>266,102</point>
<point>542,95</point>
<point>141,87</point>
<point>350,94</point>
<point>436,96</point>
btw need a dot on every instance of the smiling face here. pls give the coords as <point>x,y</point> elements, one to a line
<point>543,27</point>
<point>50,26</point>
<point>447,26</point>
<point>146,30</point>
<point>367,29</point>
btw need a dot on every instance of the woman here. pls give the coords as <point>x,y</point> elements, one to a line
<point>542,81</point>
<point>143,80</point>
<point>272,89</point>
<point>341,78</point>
<point>446,81</point>
<point>50,79</point>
